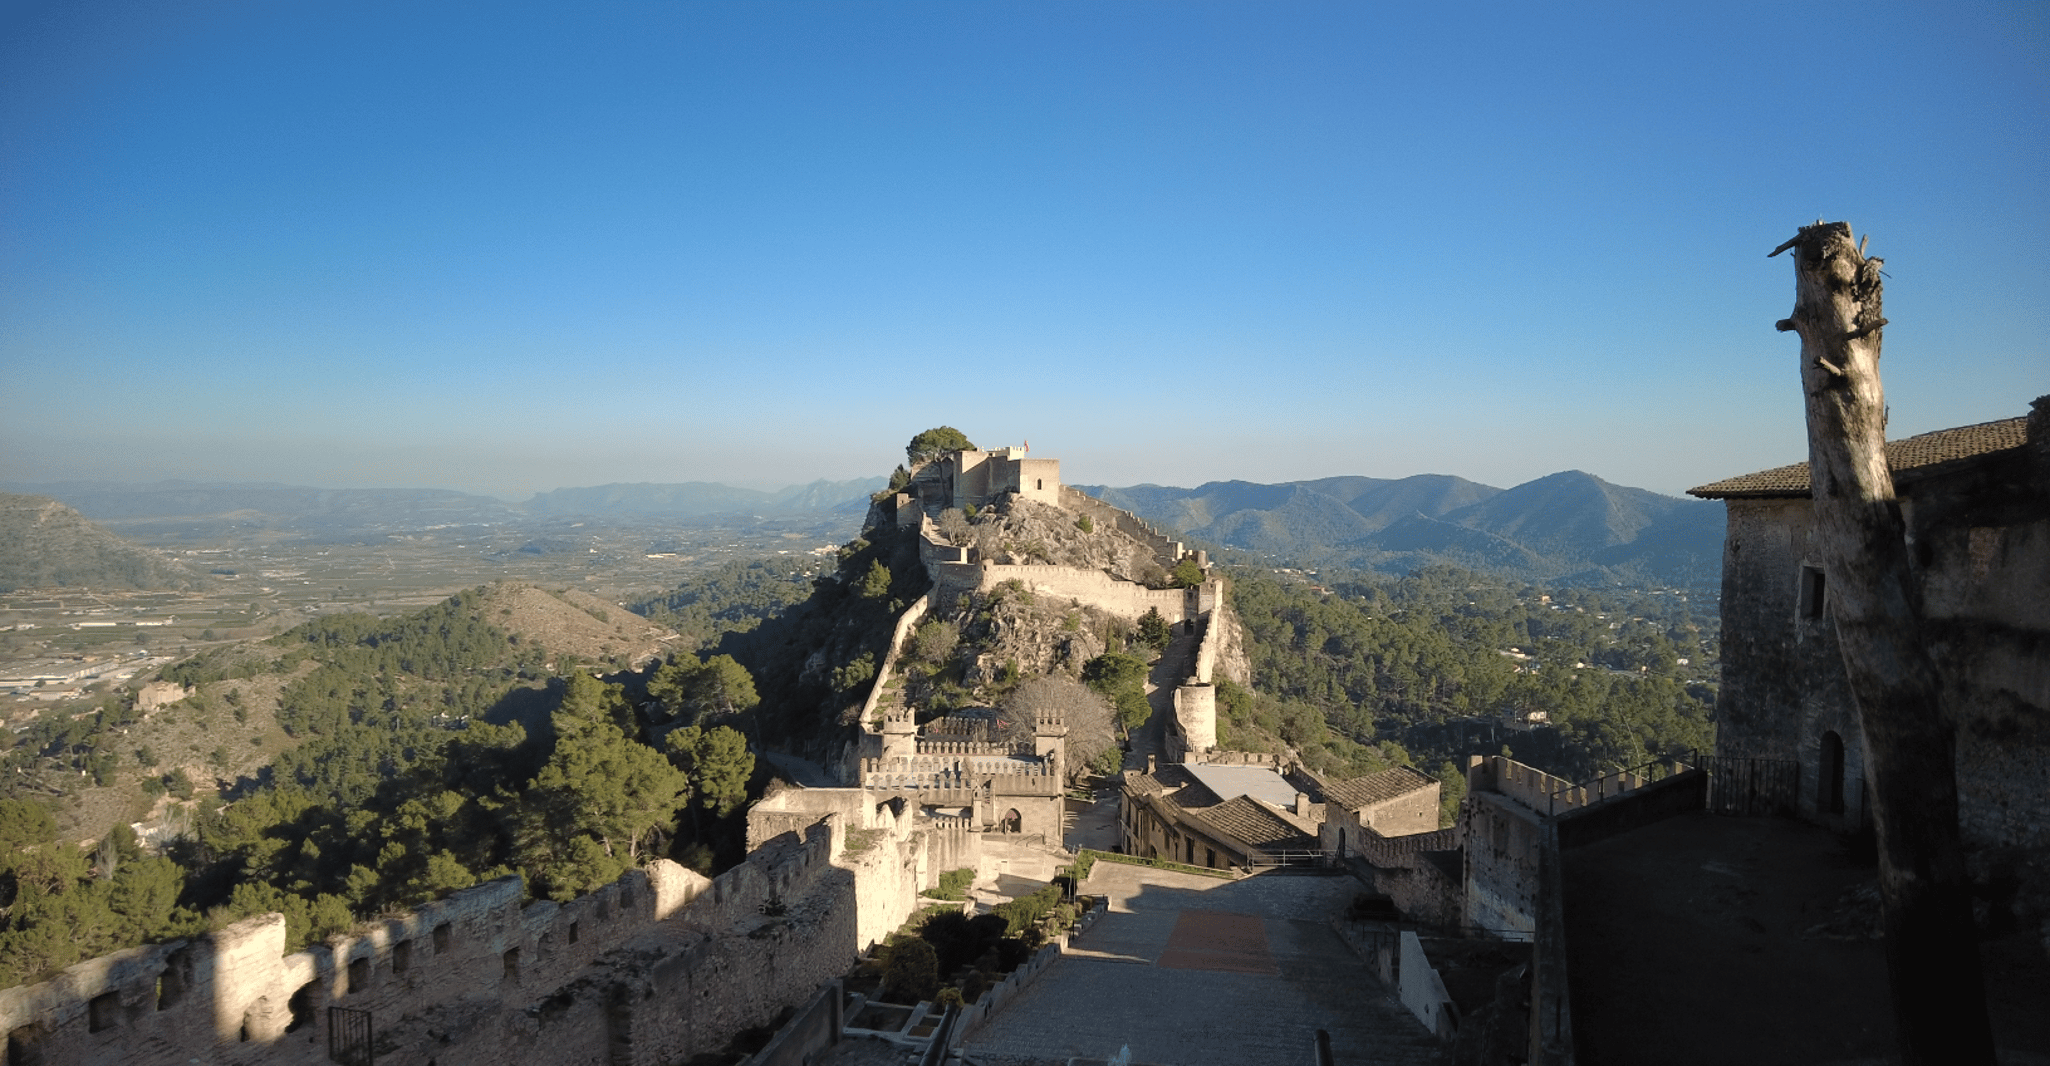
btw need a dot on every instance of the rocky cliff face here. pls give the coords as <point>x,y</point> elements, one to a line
<point>1026,531</point>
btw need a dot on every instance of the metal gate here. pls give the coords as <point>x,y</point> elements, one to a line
<point>1751,787</point>
<point>348,1037</point>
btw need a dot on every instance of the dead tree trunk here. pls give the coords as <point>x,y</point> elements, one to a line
<point>1932,953</point>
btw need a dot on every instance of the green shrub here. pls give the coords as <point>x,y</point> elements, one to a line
<point>1023,913</point>
<point>1153,630</point>
<point>953,884</point>
<point>911,972</point>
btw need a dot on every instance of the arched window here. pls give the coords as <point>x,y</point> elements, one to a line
<point>1832,775</point>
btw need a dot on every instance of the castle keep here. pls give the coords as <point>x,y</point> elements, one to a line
<point>1976,503</point>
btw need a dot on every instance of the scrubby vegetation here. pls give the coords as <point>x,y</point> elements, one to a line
<point>433,755</point>
<point>1435,662</point>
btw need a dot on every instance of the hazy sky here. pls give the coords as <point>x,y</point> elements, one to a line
<point>506,248</point>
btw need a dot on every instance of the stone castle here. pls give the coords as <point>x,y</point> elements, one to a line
<point>663,964</point>
<point>959,774</point>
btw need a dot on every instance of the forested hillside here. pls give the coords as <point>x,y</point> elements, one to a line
<point>45,544</point>
<point>431,751</point>
<point>1565,528</point>
<point>1440,661</point>
<point>733,598</point>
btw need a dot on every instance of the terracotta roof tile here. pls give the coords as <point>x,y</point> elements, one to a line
<point>1254,823</point>
<point>1174,784</point>
<point>1359,792</point>
<point>1903,456</point>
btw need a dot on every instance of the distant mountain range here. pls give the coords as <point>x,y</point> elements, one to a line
<point>1570,526</point>
<point>208,508</point>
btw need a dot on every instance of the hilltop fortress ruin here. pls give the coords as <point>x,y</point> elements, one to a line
<point>665,964</point>
<point>994,786</point>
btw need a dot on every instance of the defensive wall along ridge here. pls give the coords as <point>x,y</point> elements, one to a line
<point>659,966</point>
<point>956,573</point>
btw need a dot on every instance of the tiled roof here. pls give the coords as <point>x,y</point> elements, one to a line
<point>1902,456</point>
<point>1256,824</point>
<point>1174,784</point>
<point>1360,792</point>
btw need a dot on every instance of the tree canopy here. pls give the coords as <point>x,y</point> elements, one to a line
<point>934,443</point>
<point>703,692</point>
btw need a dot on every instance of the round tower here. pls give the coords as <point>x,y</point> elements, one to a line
<point>1195,712</point>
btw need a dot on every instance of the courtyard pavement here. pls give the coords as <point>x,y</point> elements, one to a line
<point>1187,970</point>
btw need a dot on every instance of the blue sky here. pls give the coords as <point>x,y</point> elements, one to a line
<point>508,248</point>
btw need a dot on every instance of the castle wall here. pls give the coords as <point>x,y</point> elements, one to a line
<point>1092,587</point>
<point>907,624</point>
<point>1979,538</point>
<point>652,969</point>
<point>1166,550</point>
<point>1195,713</point>
<point>1501,864</point>
<point>894,851</point>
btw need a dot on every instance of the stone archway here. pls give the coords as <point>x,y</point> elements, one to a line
<point>1012,822</point>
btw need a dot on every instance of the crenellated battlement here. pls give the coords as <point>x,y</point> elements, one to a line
<point>480,975</point>
<point>928,745</point>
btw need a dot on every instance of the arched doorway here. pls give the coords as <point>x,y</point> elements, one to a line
<point>1013,821</point>
<point>1832,776</point>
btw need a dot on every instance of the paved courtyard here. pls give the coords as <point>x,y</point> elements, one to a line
<point>1193,971</point>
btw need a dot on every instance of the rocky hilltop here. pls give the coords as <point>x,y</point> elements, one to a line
<point>45,544</point>
<point>572,623</point>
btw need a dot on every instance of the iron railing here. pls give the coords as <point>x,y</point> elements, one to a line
<point>1267,860</point>
<point>1751,787</point>
<point>349,1037</point>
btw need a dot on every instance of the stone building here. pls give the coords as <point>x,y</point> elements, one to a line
<point>1976,503</point>
<point>973,477</point>
<point>1218,816</point>
<point>1393,803</point>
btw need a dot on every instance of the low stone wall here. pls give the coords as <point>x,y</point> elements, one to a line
<point>1683,793</point>
<point>652,969</point>
<point>907,624</point>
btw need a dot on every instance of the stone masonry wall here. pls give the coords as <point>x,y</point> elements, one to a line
<point>1166,549</point>
<point>1094,588</point>
<point>652,969</point>
<point>1979,539</point>
<point>1783,677</point>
